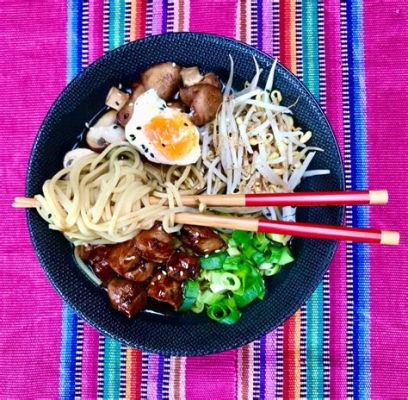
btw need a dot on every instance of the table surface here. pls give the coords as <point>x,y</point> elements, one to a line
<point>351,338</point>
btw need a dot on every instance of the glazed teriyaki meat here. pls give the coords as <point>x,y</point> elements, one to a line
<point>150,266</point>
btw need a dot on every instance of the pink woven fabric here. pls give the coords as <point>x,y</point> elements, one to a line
<point>361,78</point>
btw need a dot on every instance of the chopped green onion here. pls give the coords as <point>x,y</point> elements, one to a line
<point>241,237</point>
<point>246,297</point>
<point>213,261</point>
<point>233,251</point>
<point>225,312</point>
<point>230,281</point>
<point>231,263</point>
<point>210,298</point>
<point>261,242</point>
<point>223,281</point>
<point>272,271</point>
<point>248,251</point>
<point>277,237</point>
<point>286,256</point>
<point>197,307</point>
<point>258,258</point>
<point>191,290</point>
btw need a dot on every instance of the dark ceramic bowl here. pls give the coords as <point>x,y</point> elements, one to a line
<point>175,334</point>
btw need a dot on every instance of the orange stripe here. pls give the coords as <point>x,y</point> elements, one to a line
<point>177,379</point>
<point>133,373</point>
<point>138,19</point>
<point>291,329</point>
<point>291,357</point>
<point>181,16</point>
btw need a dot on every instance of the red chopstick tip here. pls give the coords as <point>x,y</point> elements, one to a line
<point>390,237</point>
<point>378,196</point>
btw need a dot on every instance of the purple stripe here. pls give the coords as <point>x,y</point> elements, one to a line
<point>157,17</point>
<point>165,4</point>
<point>259,11</point>
<point>160,375</point>
<point>153,370</point>
<point>267,23</point>
<point>262,368</point>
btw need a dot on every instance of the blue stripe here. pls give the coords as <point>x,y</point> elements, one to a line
<point>160,376</point>
<point>116,23</point>
<point>165,4</point>
<point>111,370</point>
<point>68,352</point>
<point>79,33</point>
<point>262,360</point>
<point>69,318</point>
<point>259,12</point>
<point>360,215</point>
<point>74,38</point>
<point>314,306</point>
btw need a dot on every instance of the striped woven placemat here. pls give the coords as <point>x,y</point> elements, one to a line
<point>350,339</point>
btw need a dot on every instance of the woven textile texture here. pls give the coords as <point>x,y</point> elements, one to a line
<point>350,339</point>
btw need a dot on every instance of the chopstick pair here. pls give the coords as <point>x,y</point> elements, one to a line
<point>317,231</point>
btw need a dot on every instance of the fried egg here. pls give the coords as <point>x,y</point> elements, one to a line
<point>163,135</point>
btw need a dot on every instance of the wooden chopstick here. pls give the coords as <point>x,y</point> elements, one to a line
<point>316,231</point>
<point>268,199</point>
<point>290,199</point>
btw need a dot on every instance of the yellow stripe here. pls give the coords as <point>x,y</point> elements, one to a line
<point>128,374</point>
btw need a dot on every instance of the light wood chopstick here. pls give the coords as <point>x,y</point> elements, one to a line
<point>268,199</point>
<point>316,231</point>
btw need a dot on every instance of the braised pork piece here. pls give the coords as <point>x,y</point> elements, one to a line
<point>150,266</point>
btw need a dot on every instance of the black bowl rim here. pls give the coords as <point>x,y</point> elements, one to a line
<point>312,284</point>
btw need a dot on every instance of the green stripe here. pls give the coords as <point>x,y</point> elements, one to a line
<point>314,307</point>
<point>111,370</point>
<point>116,23</point>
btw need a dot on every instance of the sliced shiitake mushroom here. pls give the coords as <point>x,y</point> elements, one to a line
<point>178,105</point>
<point>74,155</point>
<point>165,78</point>
<point>105,132</point>
<point>190,76</point>
<point>204,100</point>
<point>212,79</point>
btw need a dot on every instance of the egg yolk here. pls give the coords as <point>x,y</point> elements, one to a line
<point>174,137</point>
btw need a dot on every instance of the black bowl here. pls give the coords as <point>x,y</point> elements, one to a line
<point>175,334</point>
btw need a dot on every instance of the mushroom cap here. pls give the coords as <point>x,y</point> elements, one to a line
<point>104,132</point>
<point>74,155</point>
<point>100,137</point>
<point>204,100</point>
<point>212,79</point>
<point>165,78</point>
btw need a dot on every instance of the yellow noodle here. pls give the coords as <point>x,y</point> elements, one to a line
<point>104,198</point>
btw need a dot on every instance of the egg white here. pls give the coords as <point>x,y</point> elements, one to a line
<point>146,107</point>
